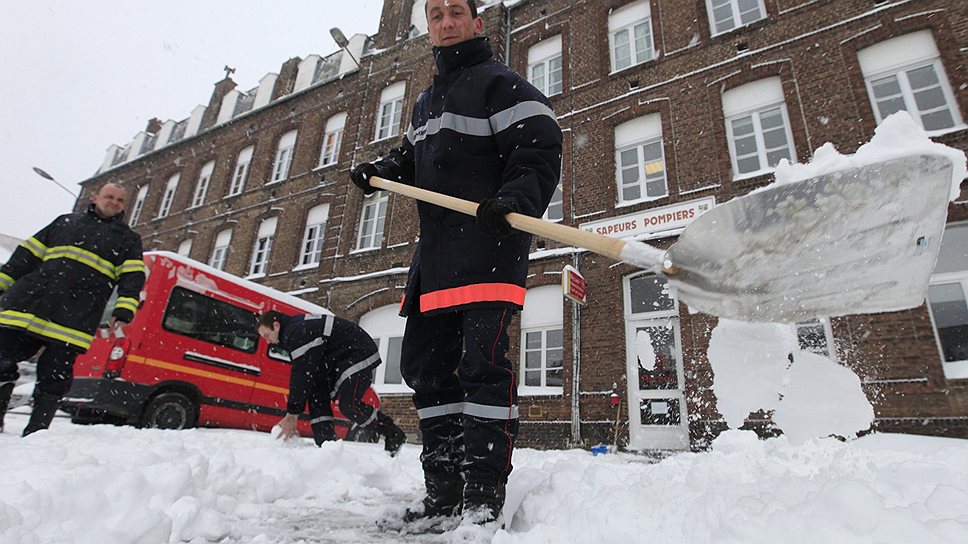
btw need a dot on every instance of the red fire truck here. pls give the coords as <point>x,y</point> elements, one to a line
<point>192,357</point>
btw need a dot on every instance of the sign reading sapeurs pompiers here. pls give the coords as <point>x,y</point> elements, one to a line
<point>651,221</point>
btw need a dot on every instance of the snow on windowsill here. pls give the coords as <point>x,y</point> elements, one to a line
<point>957,370</point>
<point>630,203</point>
<point>530,391</point>
<point>300,268</point>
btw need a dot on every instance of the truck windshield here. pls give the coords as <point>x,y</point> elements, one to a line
<point>211,320</point>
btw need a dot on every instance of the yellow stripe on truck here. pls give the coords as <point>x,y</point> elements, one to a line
<point>175,367</point>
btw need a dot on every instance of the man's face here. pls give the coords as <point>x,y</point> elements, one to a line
<point>450,22</point>
<point>271,334</point>
<point>109,201</point>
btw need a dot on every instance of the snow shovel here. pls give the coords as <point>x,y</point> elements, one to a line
<point>860,240</point>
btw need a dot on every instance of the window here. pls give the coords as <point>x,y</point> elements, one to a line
<point>556,210</point>
<point>185,248</point>
<point>814,335</point>
<point>386,327</point>
<point>649,294</point>
<point>280,168</point>
<point>312,246</point>
<point>630,35</point>
<point>332,136</point>
<point>168,197</point>
<point>725,15</point>
<point>241,172</point>
<point>905,73</point>
<point>542,341</point>
<point>139,205</point>
<point>371,221</point>
<point>948,301</point>
<point>544,66</point>
<point>210,320</point>
<point>263,245</point>
<point>757,127</point>
<point>220,252</point>
<point>391,111</point>
<point>418,18</point>
<point>201,188</point>
<point>640,160</point>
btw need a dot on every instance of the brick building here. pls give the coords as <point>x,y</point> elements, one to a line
<point>666,105</point>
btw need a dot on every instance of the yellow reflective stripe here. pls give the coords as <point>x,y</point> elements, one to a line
<point>84,257</point>
<point>42,327</point>
<point>127,303</point>
<point>34,246</point>
<point>5,281</point>
<point>131,265</point>
<point>204,374</point>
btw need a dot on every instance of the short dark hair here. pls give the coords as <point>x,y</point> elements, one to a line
<point>472,4</point>
<point>272,316</point>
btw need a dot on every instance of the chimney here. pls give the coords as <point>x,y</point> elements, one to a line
<point>154,125</point>
<point>287,78</point>
<point>222,88</point>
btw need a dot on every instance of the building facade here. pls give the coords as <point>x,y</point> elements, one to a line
<point>667,106</point>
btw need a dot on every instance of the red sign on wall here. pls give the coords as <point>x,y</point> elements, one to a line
<point>573,285</point>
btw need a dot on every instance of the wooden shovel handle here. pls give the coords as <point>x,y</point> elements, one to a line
<point>603,245</point>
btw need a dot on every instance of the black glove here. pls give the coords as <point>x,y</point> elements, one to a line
<point>491,218</point>
<point>361,177</point>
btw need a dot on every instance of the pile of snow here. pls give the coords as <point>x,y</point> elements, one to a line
<point>122,485</point>
<point>760,366</point>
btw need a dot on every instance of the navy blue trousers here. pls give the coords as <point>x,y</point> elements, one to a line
<point>55,366</point>
<point>465,392</point>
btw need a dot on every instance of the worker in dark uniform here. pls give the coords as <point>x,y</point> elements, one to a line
<point>482,133</point>
<point>332,358</point>
<point>56,285</point>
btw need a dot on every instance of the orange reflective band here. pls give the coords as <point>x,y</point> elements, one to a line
<point>479,292</point>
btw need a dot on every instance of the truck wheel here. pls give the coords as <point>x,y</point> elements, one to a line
<point>169,411</point>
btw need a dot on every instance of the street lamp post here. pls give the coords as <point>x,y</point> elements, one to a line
<point>45,175</point>
<point>342,42</point>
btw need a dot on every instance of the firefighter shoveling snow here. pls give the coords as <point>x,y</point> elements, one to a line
<point>840,235</point>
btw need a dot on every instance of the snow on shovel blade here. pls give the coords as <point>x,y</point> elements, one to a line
<point>861,240</point>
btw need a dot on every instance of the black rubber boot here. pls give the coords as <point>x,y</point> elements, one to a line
<point>45,406</point>
<point>6,390</point>
<point>324,431</point>
<point>444,497</point>
<point>482,504</point>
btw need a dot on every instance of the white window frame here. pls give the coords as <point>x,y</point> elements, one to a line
<point>639,135</point>
<point>735,14</point>
<point>754,101</point>
<point>543,313</point>
<point>545,57</point>
<point>220,250</point>
<point>259,265</point>
<point>241,172</point>
<point>332,138</point>
<point>627,20</point>
<point>953,370</point>
<point>201,186</point>
<point>556,208</point>
<point>386,327</point>
<point>166,200</point>
<point>372,221</point>
<point>284,154</point>
<point>185,248</point>
<point>897,58</point>
<point>823,323</point>
<point>389,115</point>
<point>139,205</point>
<point>314,237</point>
<point>418,18</point>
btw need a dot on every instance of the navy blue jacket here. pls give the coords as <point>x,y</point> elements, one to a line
<point>325,351</point>
<point>479,131</point>
<point>58,281</point>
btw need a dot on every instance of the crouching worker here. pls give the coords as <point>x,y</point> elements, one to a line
<point>332,358</point>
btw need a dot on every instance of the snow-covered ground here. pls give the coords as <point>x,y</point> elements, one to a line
<point>122,485</point>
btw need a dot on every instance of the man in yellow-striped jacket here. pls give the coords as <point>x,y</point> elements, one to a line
<point>56,286</point>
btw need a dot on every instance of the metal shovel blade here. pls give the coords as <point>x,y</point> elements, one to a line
<point>855,241</point>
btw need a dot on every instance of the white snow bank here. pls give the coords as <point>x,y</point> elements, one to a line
<point>761,366</point>
<point>898,135</point>
<point>119,485</point>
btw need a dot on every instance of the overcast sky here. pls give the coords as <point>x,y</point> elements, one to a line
<point>78,76</point>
